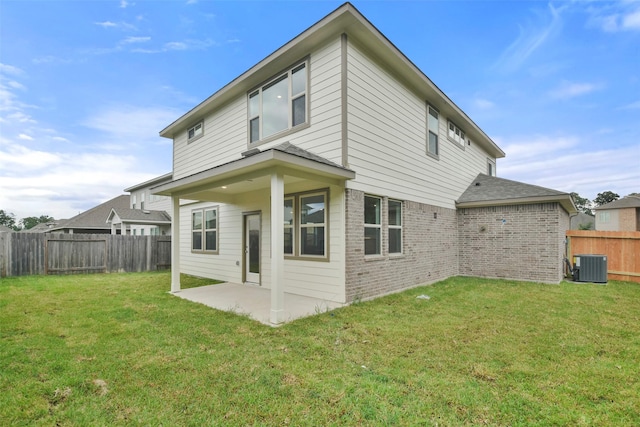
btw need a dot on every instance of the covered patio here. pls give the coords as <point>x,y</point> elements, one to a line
<point>255,302</point>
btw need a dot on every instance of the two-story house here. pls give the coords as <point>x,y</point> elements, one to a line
<point>332,169</point>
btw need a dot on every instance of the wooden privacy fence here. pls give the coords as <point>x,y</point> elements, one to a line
<point>622,249</point>
<point>23,254</point>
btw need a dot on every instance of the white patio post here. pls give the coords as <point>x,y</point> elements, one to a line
<point>277,248</point>
<point>175,244</point>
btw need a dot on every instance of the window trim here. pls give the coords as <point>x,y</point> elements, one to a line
<point>395,227</point>
<point>195,137</point>
<point>461,135</point>
<point>304,63</point>
<point>297,226</point>
<point>491,167</point>
<point>435,155</point>
<point>373,226</point>
<point>203,240</point>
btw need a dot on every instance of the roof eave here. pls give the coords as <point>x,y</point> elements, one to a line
<point>564,200</point>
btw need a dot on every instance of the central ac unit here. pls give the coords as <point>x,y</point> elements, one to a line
<point>590,268</point>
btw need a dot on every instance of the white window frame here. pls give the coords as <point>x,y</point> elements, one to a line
<point>370,226</point>
<point>133,201</point>
<point>203,230</point>
<point>491,167</point>
<point>195,132</point>
<point>604,217</point>
<point>292,97</point>
<point>291,226</point>
<point>395,226</point>
<point>431,131</point>
<point>455,134</point>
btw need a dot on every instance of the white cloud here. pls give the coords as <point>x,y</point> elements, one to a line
<point>106,24</point>
<point>529,40</point>
<point>563,164</point>
<point>131,124</point>
<point>25,137</point>
<point>10,69</point>
<point>568,90</point>
<point>613,17</point>
<point>130,40</point>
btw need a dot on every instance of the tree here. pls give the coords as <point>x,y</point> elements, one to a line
<point>31,221</point>
<point>605,197</point>
<point>8,220</point>
<point>582,203</point>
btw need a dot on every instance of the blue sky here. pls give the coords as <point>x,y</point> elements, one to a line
<point>85,86</point>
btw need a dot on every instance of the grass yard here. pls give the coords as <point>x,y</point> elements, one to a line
<point>119,350</point>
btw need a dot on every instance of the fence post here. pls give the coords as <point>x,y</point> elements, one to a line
<point>5,251</point>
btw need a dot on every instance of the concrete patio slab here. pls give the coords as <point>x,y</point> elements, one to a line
<point>255,301</point>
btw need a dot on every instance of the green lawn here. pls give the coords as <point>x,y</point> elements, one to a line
<point>119,350</point>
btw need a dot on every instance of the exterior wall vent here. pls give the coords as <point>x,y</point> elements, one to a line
<point>590,268</point>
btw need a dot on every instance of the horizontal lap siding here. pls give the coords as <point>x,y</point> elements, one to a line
<point>387,141</point>
<point>312,278</point>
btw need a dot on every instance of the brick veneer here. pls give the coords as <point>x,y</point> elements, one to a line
<point>430,244</point>
<point>629,219</point>
<point>524,242</point>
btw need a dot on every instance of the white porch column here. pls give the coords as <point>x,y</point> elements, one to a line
<point>123,229</point>
<point>175,244</point>
<point>277,248</point>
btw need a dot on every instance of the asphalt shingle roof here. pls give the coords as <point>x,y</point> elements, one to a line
<point>142,215</point>
<point>487,189</point>
<point>625,202</point>
<point>95,217</point>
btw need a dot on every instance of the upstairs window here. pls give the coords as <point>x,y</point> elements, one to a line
<point>456,134</point>
<point>433,126</point>
<point>279,105</point>
<point>491,168</point>
<point>195,132</point>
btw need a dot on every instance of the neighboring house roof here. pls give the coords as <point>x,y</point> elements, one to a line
<point>94,218</point>
<point>583,219</point>
<point>488,190</point>
<point>346,19</point>
<point>43,227</point>
<point>139,216</point>
<point>625,202</point>
<point>151,183</point>
<point>4,228</point>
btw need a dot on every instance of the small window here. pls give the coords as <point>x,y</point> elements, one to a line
<point>195,132</point>
<point>142,231</point>
<point>142,201</point>
<point>204,230</point>
<point>433,148</point>
<point>395,227</point>
<point>456,134</point>
<point>133,201</point>
<point>491,168</point>
<point>289,226</point>
<point>372,225</point>
<point>604,217</point>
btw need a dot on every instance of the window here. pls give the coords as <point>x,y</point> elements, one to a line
<point>133,201</point>
<point>289,226</point>
<point>395,227</point>
<point>456,134</point>
<point>604,217</point>
<point>154,231</point>
<point>134,231</point>
<point>204,230</point>
<point>433,148</point>
<point>372,225</point>
<point>491,168</point>
<point>279,105</point>
<point>142,231</point>
<point>142,201</point>
<point>306,225</point>
<point>195,132</point>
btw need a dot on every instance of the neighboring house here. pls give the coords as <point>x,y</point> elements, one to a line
<point>5,229</point>
<point>147,213</point>
<point>583,221</point>
<point>139,222</point>
<point>92,221</point>
<point>332,169</point>
<point>619,215</point>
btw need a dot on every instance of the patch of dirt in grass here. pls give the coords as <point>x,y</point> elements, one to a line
<point>101,388</point>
